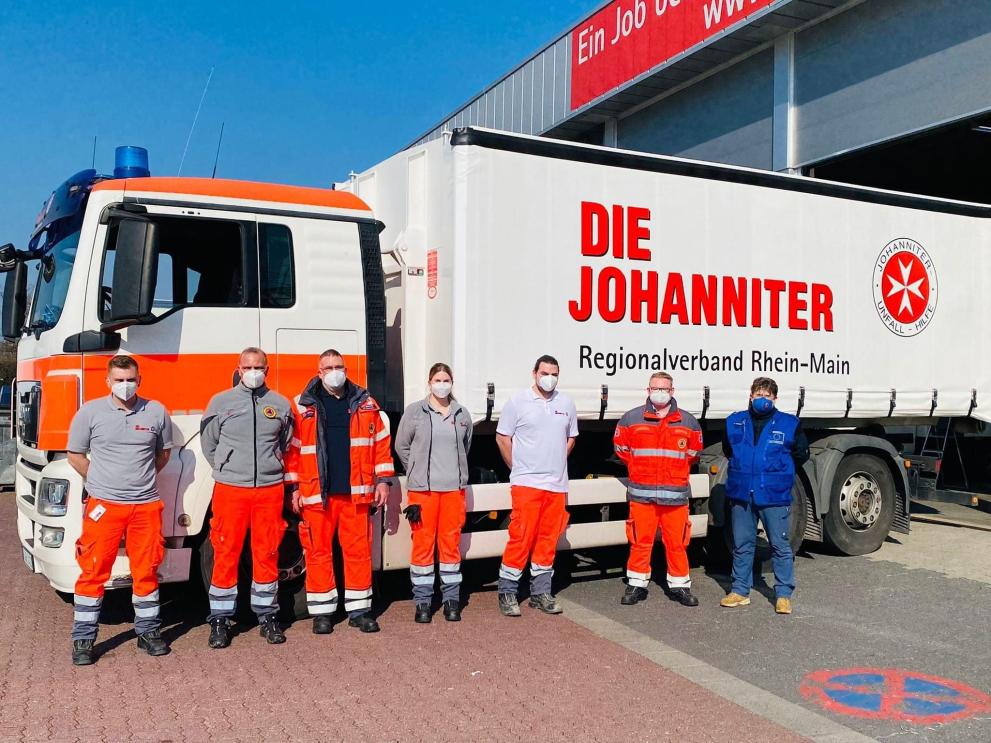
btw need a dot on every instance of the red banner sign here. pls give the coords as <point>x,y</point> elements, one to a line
<point>628,37</point>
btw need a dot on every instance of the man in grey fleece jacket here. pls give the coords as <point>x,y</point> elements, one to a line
<point>244,433</point>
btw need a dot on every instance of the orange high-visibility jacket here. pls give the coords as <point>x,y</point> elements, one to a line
<point>371,458</point>
<point>659,453</point>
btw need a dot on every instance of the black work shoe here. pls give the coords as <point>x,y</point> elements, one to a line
<point>152,643</point>
<point>268,627</point>
<point>508,605</point>
<point>322,625</point>
<point>82,652</point>
<point>422,615</point>
<point>452,611</point>
<point>633,595</point>
<point>364,622</point>
<point>683,596</point>
<point>546,603</point>
<point>220,633</point>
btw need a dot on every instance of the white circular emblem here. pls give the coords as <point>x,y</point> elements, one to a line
<point>905,287</point>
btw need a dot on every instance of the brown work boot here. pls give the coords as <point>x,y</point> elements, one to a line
<point>733,600</point>
<point>782,605</point>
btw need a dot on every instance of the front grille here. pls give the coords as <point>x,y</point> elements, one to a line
<point>31,495</point>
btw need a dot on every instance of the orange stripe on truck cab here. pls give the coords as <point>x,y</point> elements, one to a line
<point>246,190</point>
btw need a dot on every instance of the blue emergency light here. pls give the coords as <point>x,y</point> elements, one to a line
<point>131,162</point>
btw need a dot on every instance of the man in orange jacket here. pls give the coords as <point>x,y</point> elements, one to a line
<point>659,443</point>
<point>340,464</point>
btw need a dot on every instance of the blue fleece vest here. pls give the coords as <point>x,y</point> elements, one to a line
<point>766,468</point>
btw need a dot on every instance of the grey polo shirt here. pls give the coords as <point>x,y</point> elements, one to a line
<point>121,445</point>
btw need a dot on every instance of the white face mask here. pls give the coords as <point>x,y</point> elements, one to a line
<point>334,379</point>
<point>441,389</point>
<point>253,378</point>
<point>124,391</point>
<point>660,398</point>
<point>547,382</point>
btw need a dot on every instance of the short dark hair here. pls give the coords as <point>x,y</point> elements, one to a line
<point>331,352</point>
<point>764,384</point>
<point>545,359</point>
<point>120,361</point>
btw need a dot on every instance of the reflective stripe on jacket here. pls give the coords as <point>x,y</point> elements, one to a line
<point>765,468</point>
<point>658,452</point>
<point>371,457</point>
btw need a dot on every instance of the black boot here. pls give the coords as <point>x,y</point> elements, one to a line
<point>220,633</point>
<point>633,595</point>
<point>82,652</point>
<point>152,643</point>
<point>268,627</point>
<point>364,622</point>
<point>322,625</point>
<point>452,611</point>
<point>683,596</point>
<point>422,615</point>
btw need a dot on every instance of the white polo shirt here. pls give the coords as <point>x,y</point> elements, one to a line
<point>540,429</point>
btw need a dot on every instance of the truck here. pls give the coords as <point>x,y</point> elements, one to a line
<point>485,250</point>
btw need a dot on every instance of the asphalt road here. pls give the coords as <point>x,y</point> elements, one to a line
<point>605,672</point>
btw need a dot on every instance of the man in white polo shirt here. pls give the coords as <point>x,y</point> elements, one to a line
<point>536,433</point>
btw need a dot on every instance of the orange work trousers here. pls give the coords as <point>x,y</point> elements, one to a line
<point>353,526</point>
<point>104,524</point>
<point>236,511</point>
<point>437,538</point>
<point>676,533</point>
<point>537,521</point>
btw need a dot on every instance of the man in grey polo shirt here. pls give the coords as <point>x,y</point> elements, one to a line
<point>536,433</point>
<point>128,440</point>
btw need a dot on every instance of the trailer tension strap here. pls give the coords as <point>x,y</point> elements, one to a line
<point>849,401</point>
<point>705,402</point>
<point>603,401</point>
<point>932,407</point>
<point>801,401</point>
<point>489,401</point>
<point>891,403</point>
<point>973,401</point>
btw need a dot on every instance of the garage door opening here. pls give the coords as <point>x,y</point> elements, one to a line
<point>952,162</point>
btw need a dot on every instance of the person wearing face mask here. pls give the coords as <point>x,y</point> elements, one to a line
<point>658,442</point>
<point>765,447</point>
<point>536,433</point>
<point>128,440</point>
<point>244,433</point>
<point>340,465</point>
<point>432,442</point>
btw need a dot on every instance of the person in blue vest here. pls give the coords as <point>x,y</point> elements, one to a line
<point>764,447</point>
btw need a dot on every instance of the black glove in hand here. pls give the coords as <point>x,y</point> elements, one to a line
<point>413,514</point>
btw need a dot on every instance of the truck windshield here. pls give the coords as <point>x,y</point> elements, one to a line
<point>52,282</point>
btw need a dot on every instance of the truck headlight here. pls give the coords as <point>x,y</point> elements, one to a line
<point>53,497</point>
<point>52,536</point>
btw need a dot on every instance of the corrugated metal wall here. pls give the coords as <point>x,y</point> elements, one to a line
<point>724,118</point>
<point>529,100</point>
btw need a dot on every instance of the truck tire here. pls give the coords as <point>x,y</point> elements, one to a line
<point>292,593</point>
<point>796,529</point>
<point>861,505</point>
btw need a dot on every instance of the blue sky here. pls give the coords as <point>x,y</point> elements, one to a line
<point>307,90</point>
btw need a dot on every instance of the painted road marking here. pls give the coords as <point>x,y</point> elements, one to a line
<point>894,694</point>
<point>763,703</point>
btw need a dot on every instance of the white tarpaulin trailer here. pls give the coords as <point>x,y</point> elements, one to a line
<point>861,303</point>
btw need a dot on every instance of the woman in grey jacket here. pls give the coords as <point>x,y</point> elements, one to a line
<point>432,442</point>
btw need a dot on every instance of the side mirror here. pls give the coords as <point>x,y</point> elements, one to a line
<point>15,295</point>
<point>135,273</point>
<point>8,257</point>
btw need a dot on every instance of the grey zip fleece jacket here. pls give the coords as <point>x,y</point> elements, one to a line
<point>429,463</point>
<point>244,434</point>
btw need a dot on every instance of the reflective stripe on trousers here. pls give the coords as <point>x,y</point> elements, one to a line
<point>538,520</point>
<point>222,601</point>
<point>263,598</point>
<point>146,613</point>
<point>85,617</point>
<point>321,603</point>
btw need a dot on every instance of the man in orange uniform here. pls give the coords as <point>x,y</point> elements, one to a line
<point>244,434</point>
<point>340,463</point>
<point>658,442</point>
<point>128,440</point>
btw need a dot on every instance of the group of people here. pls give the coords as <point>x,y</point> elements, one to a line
<point>331,449</point>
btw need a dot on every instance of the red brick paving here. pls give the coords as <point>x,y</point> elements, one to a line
<point>486,679</point>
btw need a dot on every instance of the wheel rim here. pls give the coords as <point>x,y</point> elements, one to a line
<point>860,501</point>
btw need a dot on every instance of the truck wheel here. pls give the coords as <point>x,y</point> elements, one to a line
<point>292,566</point>
<point>861,505</point>
<point>796,529</point>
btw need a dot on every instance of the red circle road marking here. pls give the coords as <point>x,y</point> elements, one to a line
<point>893,694</point>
